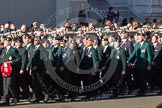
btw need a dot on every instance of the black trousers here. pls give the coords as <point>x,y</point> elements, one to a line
<point>155,73</point>
<point>22,82</point>
<point>9,87</point>
<point>38,86</point>
<point>1,85</point>
<point>141,75</point>
<point>29,80</point>
<point>157,76</point>
<point>127,80</point>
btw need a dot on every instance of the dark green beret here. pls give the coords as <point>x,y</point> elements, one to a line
<point>19,40</point>
<point>8,38</point>
<point>117,39</point>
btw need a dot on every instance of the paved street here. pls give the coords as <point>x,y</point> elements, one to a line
<point>138,102</point>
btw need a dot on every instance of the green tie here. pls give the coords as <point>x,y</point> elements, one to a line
<point>5,51</point>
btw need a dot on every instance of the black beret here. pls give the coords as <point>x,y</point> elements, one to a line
<point>113,36</point>
<point>37,37</point>
<point>59,38</point>
<point>19,40</point>
<point>117,39</point>
<point>123,32</point>
<point>73,42</point>
<point>8,38</point>
<point>141,34</point>
<point>40,29</point>
<point>90,39</point>
<point>13,39</point>
<point>105,39</point>
<point>79,37</point>
<point>45,41</point>
<point>27,36</point>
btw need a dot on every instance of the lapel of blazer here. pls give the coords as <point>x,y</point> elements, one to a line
<point>143,46</point>
<point>7,55</point>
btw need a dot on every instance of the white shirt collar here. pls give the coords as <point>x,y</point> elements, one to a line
<point>55,46</point>
<point>80,44</point>
<point>112,44</point>
<point>37,46</point>
<point>117,48</point>
<point>28,45</point>
<point>155,44</point>
<point>89,47</point>
<point>95,46</point>
<point>105,47</point>
<point>8,47</point>
<point>124,40</point>
<point>141,43</point>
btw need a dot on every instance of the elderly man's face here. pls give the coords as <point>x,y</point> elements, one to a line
<point>36,41</point>
<point>117,44</point>
<point>104,43</point>
<point>154,39</point>
<point>72,46</point>
<point>123,35</point>
<point>110,39</point>
<point>62,44</point>
<point>18,44</point>
<point>140,38</point>
<point>89,43</point>
<point>7,43</point>
<point>23,28</point>
<point>35,24</point>
<point>55,42</point>
<point>95,42</point>
<point>27,40</point>
<point>46,45</point>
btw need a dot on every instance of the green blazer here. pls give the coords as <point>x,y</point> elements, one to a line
<point>55,55</point>
<point>24,58</point>
<point>141,56</point>
<point>38,60</point>
<point>120,55</point>
<point>30,53</point>
<point>71,56</point>
<point>157,58</point>
<point>89,60</point>
<point>156,50</point>
<point>99,51</point>
<point>104,55</point>
<point>11,55</point>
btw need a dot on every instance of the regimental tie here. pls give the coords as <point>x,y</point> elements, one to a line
<point>85,51</point>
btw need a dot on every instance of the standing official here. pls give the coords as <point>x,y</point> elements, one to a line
<point>9,54</point>
<point>88,65</point>
<point>156,62</point>
<point>29,46</point>
<point>118,58</point>
<point>142,58</point>
<point>21,68</point>
<point>128,47</point>
<point>104,54</point>
<point>38,70</point>
<point>55,52</point>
